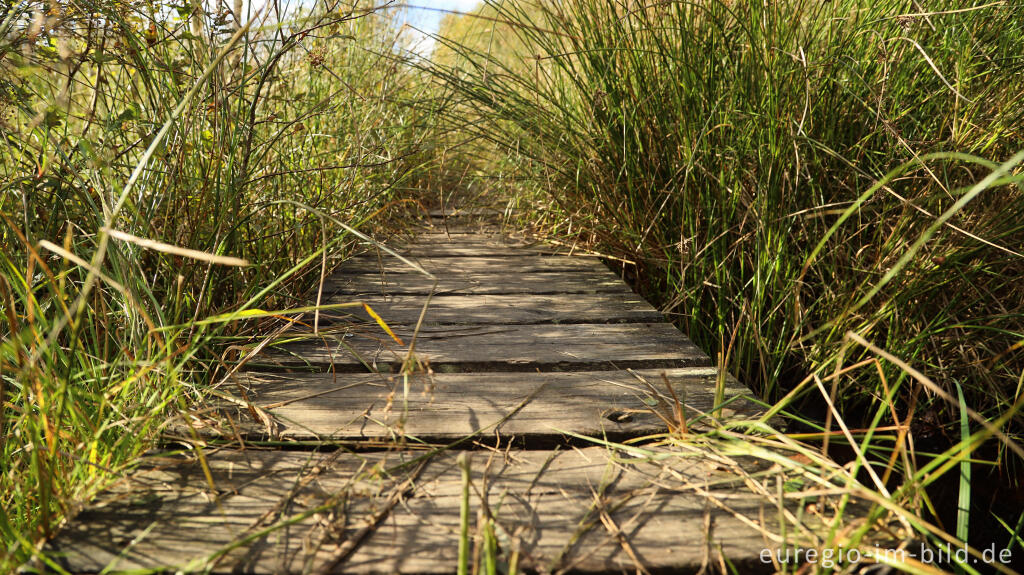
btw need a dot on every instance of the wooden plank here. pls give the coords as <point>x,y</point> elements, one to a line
<point>459,226</point>
<point>474,249</point>
<point>434,238</point>
<point>591,510</point>
<point>450,212</point>
<point>465,220</point>
<point>581,282</point>
<point>444,407</point>
<point>473,265</point>
<point>497,348</point>
<point>435,251</point>
<point>439,244</point>
<point>444,245</point>
<point>506,309</point>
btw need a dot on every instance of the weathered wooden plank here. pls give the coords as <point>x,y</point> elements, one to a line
<point>506,309</point>
<point>580,282</point>
<point>474,249</point>
<point>439,244</point>
<point>460,226</point>
<point>435,238</point>
<point>497,348</point>
<point>473,211</point>
<point>444,245</point>
<point>285,512</point>
<point>444,407</point>
<point>473,265</point>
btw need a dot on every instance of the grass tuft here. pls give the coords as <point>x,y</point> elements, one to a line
<point>170,176</point>
<point>785,174</point>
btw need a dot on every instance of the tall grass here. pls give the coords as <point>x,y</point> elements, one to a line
<point>790,175</point>
<point>164,169</point>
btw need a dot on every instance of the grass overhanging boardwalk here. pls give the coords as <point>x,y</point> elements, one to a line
<point>355,455</point>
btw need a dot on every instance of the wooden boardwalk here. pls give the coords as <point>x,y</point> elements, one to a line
<point>347,451</point>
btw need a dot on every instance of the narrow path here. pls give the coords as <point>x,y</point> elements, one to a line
<point>347,464</point>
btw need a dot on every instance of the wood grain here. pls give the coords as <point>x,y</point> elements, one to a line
<point>443,407</point>
<point>372,264</point>
<point>505,309</point>
<point>436,238</point>
<point>597,281</point>
<point>474,249</point>
<point>445,245</point>
<point>498,348</point>
<point>586,509</point>
<point>469,212</point>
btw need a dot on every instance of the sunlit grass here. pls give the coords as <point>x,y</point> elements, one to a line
<point>825,195</point>
<point>791,177</point>
<point>168,174</point>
